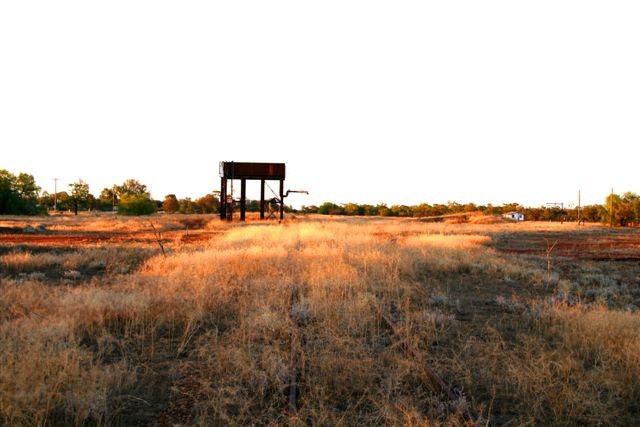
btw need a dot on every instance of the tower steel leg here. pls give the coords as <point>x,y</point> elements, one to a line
<point>262,199</point>
<point>281,199</point>
<point>243,199</point>
<point>230,201</point>
<point>223,198</point>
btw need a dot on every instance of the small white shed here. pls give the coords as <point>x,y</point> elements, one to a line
<point>517,216</point>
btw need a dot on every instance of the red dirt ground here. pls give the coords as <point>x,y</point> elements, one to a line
<point>60,239</point>
<point>602,245</point>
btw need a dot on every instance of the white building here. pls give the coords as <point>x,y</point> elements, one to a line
<point>515,216</point>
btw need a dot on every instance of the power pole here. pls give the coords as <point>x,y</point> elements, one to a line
<point>579,213</point>
<point>611,209</point>
<point>55,194</point>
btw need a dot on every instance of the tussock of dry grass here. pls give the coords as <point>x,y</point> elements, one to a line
<point>570,366</point>
<point>108,222</point>
<point>216,325</point>
<point>48,379</point>
<point>25,262</point>
<point>57,263</point>
<point>46,376</point>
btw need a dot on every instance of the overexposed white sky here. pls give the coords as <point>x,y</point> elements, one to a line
<point>366,101</point>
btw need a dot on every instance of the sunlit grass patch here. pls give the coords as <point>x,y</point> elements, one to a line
<point>127,334</point>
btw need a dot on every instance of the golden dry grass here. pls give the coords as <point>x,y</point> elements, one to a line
<point>204,335</point>
<point>97,222</point>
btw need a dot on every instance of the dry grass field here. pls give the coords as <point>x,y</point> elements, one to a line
<point>186,320</point>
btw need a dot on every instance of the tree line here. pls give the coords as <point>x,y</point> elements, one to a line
<point>625,208</point>
<point>20,195</point>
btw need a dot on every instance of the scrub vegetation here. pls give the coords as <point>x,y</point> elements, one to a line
<point>316,321</point>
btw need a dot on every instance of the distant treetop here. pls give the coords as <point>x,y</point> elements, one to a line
<point>131,187</point>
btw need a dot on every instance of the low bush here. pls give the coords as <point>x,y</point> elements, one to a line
<point>136,205</point>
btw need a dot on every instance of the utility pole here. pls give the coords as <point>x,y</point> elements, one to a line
<point>611,209</point>
<point>579,206</point>
<point>55,194</point>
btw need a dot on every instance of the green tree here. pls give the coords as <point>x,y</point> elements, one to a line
<point>93,203</point>
<point>187,206</point>
<point>552,214</point>
<point>370,210</point>
<point>211,204</point>
<point>252,206</point>
<point>28,190</point>
<point>454,207</point>
<point>131,187</point>
<point>9,197</point>
<point>439,209</point>
<point>108,198</point>
<point>353,209</point>
<point>422,210</point>
<point>26,186</point>
<point>511,207</point>
<point>626,209</point>
<point>328,208</point>
<point>633,202</point>
<point>591,213</point>
<point>136,205</point>
<point>45,200</point>
<point>64,201</point>
<point>533,214</point>
<point>471,207</point>
<point>492,210</point>
<point>170,204</point>
<point>79,194</point>
<point>401,210</point>
<point>19,194</point>
<point>613,201</point>
<point>383,210</point>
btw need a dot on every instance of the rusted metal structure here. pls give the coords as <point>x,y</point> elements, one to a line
<point>243,171</point>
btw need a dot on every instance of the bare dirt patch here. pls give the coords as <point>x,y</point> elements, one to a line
<point>598,245</point>
<point>63,239</point>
